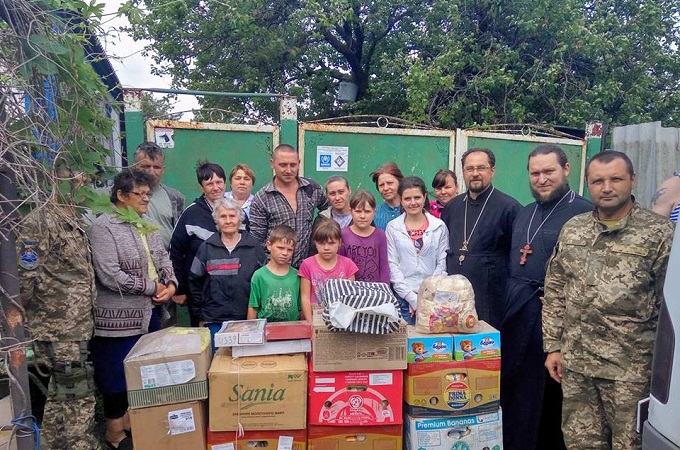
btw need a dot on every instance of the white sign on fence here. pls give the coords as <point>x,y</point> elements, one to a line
<point>332,159</point>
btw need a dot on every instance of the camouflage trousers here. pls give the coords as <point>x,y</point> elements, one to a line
<point>67,424</point>
<point>599,414</point>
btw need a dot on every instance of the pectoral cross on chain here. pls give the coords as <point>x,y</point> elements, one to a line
<point>525,251</point>
<point>464,248</point>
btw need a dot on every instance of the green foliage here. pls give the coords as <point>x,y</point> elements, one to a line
<point>449,63</point>
<point>129,215</point>
<point>54,143</point>
<point>153,108</point>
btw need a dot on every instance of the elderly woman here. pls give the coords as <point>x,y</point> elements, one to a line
<point>241,180</point>
<point>219,281</point>
<point>194,226</point>
<point>133,272</point>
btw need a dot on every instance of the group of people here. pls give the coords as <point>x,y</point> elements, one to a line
<point>574,286</point>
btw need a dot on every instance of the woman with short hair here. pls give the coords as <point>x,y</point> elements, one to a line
<point>219,280</point>
<point>241,180</point>
<point>133,271</point>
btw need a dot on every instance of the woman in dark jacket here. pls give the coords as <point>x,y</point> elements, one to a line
<point>219,280</point>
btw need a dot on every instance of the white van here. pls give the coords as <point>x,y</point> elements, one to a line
<point>662,428</point>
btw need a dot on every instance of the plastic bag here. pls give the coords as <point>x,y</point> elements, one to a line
<point>446,304</point>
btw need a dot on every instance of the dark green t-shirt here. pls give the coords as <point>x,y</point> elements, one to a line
<point>276,298</point>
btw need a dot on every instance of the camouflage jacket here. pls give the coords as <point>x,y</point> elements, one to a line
<point>603,289</point>
<point>56,275</point>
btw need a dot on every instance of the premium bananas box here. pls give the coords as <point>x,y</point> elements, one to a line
<point>462,387</point>
<point>475,432</point>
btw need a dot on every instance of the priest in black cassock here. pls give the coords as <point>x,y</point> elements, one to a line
<point>523,375</point>
<point>480,227</point>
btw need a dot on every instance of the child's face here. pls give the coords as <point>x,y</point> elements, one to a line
<point>328,250</point>
<point>281,252</point>
<point>363,215</point>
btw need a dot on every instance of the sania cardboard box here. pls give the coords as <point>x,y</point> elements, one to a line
<point>179,426</point>
<point>270,439</point>
<point>357,398</point>
<point>241,332</point>
<point>475,432</point>
<point>168,366</point>
<point>343,350</point>
<point>383,437</point>
<point>453,387</point>
<point>259,392</point>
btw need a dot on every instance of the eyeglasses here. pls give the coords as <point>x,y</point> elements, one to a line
<point>472,169</point>
<point>142,194</point>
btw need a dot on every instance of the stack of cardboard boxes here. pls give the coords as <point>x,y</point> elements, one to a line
<point>166,376</point>
<point>452,391</point>
<point>260,400</point>
<point>352,393</point>
<point>355,389</point>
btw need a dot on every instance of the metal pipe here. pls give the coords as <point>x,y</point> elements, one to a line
<point>214,93</point>
<point>13,325</point>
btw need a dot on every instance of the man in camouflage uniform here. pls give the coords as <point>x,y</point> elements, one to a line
<point>57,290</point>
<point>603,290</point>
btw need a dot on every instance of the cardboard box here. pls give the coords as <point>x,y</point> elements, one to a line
<point>423,347</point>
<point>228,440</point>
<point>259,392</point>
<point>486,343</point>
<point>384,437</point>
<point>343,350</point>
<point>273,348</point>
<point>453,387</point>
<point>179,426</point>
<point>241,332</point>
<point>6,416</point>
<point>168,366</point>
<point>476,432</point>
<point>281,331</point>
<point>358,398</point>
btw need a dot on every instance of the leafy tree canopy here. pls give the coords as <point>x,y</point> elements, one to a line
<point>449,63</point>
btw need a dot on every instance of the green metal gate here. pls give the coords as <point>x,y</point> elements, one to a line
<point>362,149</point>
<point>225,144</point>
<point>512,151</point>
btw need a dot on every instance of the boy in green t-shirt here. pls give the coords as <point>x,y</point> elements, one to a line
<point>275,288</point>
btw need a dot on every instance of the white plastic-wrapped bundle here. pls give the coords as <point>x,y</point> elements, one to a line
<point>446,304</point>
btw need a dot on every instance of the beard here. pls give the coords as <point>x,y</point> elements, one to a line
<point>478,189</point>
<point>554,195</point>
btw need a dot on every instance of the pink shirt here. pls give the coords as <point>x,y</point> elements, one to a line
<point>317,275</point>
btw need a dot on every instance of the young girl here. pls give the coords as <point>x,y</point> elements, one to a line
<point>325,265</point>
<point>363,243</point>
<point>416,245</point>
